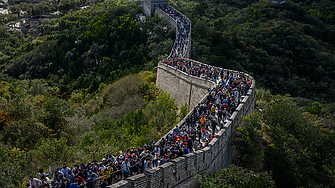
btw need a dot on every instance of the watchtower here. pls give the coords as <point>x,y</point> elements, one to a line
<point>149,6</point>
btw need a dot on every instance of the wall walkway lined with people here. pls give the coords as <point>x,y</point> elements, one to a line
<point>205,89</point>
<point>217,99</point>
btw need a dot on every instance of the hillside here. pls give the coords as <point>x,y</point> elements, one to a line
<point>85,48</point>
<point>289,49</point>
<point>86,86</point>
<point>285,47</point>
<point>38,129</point>
<point>286,142</point>
<point>73,94</point>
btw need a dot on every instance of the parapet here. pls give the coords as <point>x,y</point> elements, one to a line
<point>180,172</point>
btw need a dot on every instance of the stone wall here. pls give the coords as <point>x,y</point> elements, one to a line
<point>218,155</point>
<point>180,172</point>
<point>149,6</point>
<point>173,24</point>
<point>182,87</point>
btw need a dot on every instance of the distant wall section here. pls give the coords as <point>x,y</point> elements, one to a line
<point>149,6</point>
<point>173,24</point>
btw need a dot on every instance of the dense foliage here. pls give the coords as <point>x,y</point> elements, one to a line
<point>85,48</point>
<point>289,139</point>
<point>38,129</point>
<point>22,9</point>
<point>324,9</point>
<point>235,177</point>
<point>285,47</point>
<point>66,97</point>
<point>294,143</point>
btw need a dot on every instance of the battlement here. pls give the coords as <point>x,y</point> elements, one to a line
<point>192,90</point>
<point>149,6</point>
<point>218,155</point>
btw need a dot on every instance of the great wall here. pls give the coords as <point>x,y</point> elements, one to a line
<point>189,89</point>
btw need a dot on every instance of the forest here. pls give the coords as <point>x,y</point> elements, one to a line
<point>286,142</point>
<point>85,48</point>
<point>86,86</point>
<point>288,48</point>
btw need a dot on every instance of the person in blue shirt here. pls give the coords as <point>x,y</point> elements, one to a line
<point>125,166</point>
<point>75,184</point>
<point>65,170</point>
<point>186,150</point>
<point>70,176</point>
<point>89,174</point>
<point>225,101</point>
<point>176,130</point>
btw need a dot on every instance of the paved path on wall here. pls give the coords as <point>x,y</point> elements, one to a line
<point>177,61</point>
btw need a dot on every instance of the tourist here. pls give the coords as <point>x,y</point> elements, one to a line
<point>41,173</point>
<point>34,182</point>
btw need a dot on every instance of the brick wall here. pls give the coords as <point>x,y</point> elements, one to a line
<point>173,24</point>
<point>218,155</point>
<point>182,87</point>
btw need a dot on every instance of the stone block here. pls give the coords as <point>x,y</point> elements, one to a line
<point>191,164</point>
<point>200,160</point>
<point>138,181</point>
<point>207,156</point>
<point>229,132</point>
<point>179,167</point>
<point>121,184</point>
<point>234,118</point>
<point>153,176</point>
<point>168,175</point>
<point>221,137</point>
<point>214,147</point>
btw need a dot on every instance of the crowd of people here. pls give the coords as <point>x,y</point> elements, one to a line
<point>195,69</point>
<point>195,134</point>
<point>181,43</point>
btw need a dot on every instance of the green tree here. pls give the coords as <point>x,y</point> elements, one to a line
<point>55,152</point>
<point>53,114</point>
<point>11,171</point>
<point>247,140</point>
<point>235,177</point>
<point>288,142</point>
<point>65,5</point>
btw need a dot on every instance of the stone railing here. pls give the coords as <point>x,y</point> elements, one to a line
<point>218,154</point>
<point>173,23</point>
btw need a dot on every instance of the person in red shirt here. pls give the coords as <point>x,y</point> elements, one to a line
<point>184,137</point>
<point>80,180</point>
<point>176,138</point>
